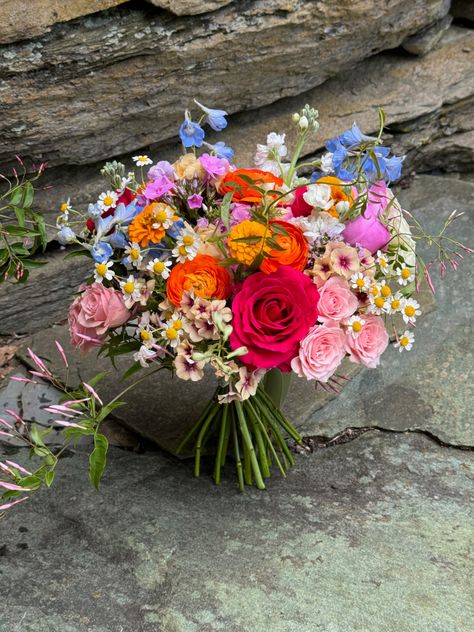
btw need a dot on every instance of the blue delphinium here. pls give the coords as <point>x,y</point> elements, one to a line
<point>223,151</point>
<point>66,236</point>
<point>191,134</point>
<point>215,118</point>
<point>101,252</point>
<point>375,160</point>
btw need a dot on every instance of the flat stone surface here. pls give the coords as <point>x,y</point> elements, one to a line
<point>431,387</point>
<point>368,536</point>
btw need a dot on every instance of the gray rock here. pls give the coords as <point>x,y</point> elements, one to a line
<point>423,42</point>
<point>190,7</point>
<point>118,80</point>
<point>371,535</point>
<point>429,388</point>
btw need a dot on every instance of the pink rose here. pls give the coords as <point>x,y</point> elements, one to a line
<point>92,313</point>
<point>320,353</point>
<point>371,342</point>
<point>299,207</point>
<point>271,314</point>
<point>367,230</point>
<point>336,301</point>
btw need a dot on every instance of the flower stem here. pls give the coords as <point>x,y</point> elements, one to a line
<point>249,445</point>
<point>238,462</point>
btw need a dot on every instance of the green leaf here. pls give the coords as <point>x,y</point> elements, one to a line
<point>49,477</point>
<point>41,227</point>
<point>136,366</point>
<point>31,263</point>
<point>28,195</point>
<point>78,253</point>
<point>94,380</point>
<point>16,196</point>
<point>225,208</point>
<point>36,436</point>
<point>277,229</point>
<point>20,215</point>
<point>19,231</point>
<point>249,240</point>
<point>97,459</point>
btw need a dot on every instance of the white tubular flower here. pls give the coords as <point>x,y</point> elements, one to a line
<point>319,196</point>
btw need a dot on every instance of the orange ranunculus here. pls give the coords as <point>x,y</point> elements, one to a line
<point>202,275</point>
<point>295,249</point>
<point>242,190</point>
<point>338,193</point>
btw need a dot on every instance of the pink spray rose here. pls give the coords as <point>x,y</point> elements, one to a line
<point>371,342</point>
<point>336,300</point>
<point>320,353</point>
<point>367,230</point>
<point>92,313</point>
<point>271,314</point>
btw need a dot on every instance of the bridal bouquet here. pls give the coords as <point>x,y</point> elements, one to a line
<point>256,273</point>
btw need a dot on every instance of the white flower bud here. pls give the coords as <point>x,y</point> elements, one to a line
<point>303,123</point>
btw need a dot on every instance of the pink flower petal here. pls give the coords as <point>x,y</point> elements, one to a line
<point>13,487</point>
<point>15,502</point>
<point>61,353</point>
<point>18,467</point>
<point>92,392</point>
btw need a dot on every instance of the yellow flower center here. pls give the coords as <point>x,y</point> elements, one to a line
<point>404,340</point>
<point>134,253</point>
<point>161,216</point>
<point>108,200</point>
<point>141,159</point>
<point>385,291</point>
<point>145,335</point>
<point>405,273</point>
<point>171,333</point>
<point>101,269</point>
<point>360,282</point>
<point>129,287</point>
<point>410,311</point>
<point>379,302</point>
<point>182,251</point>
<point>356,326</point>
<point>158,267</point>
<point>63,207</point>
<point>383,263</point>
<point>374,291</point>
<point>395,303</point>
<point>188,240</point>
<point>178,324</point>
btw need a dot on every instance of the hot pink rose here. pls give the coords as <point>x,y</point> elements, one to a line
<point>272,313</point>
<point>320,353</point>
<point>336,301</point>
<point>299,207</point>
<point>367,230</point>
<point>92,313</point>
<point>371,342</point>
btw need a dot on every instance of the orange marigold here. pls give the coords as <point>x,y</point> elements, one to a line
<point>243,251</point>
<point>294,246</point>
<point>151,224</point>
<point>202,275</point>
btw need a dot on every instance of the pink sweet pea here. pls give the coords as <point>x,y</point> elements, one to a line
<point>367,230</point>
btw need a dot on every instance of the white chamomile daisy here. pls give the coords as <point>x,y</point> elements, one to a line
<point>395,303</point>
<point>405,341</point>
<point>382,260</point>
<point>142,161</point>
<point>146,336</point>
<point>131,289</point>
<point>410,310</point>
<point>187,244</point>
<point>360,282</point>
<point>378,304</point>
<point>173,331</point>
<point>160,268</point>
<point>385,290</point>
<point>103,271</point>
<point>405,275</point>
<point>134,255</point>
<point>162,216</point>
<point>65,207</point>
<point>107,200</point>
<point>355,324</point>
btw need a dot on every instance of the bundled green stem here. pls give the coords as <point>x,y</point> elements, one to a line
<point>252,430</point>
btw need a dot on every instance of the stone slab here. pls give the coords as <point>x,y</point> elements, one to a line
<point>119,80</point>
<point>431,387</point>
<point>373,535</point>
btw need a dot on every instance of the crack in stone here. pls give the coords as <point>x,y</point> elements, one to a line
<point>312,442</point>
